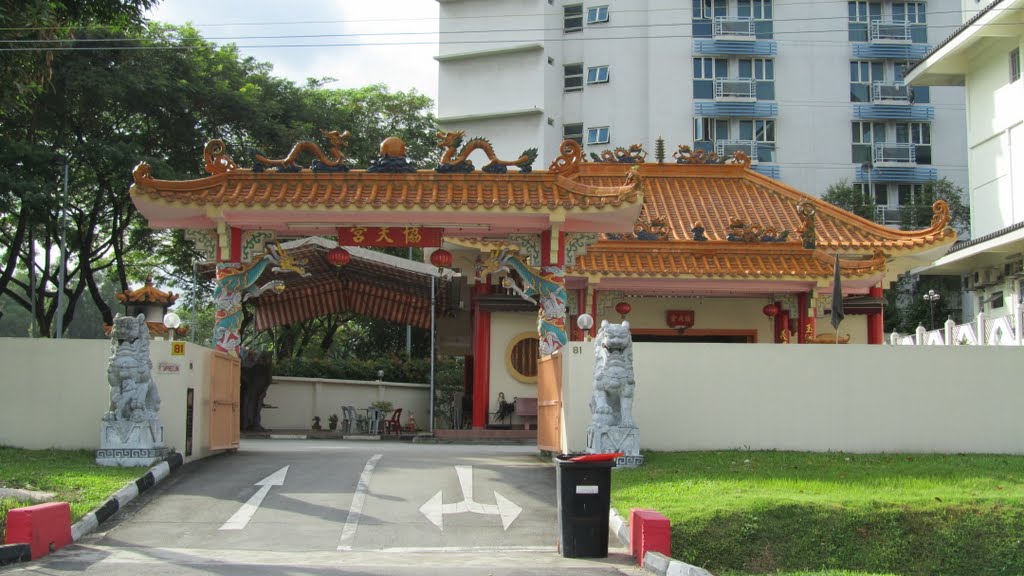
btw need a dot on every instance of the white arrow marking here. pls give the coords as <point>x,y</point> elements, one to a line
<point>246,512</point>
<point>434,509</point>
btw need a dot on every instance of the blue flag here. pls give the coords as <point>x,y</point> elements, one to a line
<point>837,297</point>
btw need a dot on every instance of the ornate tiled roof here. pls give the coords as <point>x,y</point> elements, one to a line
<point>715,196</point>
<point>147,293</point>
<point>715,259</point>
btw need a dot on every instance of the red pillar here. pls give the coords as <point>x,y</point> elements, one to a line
<point>876,325</point>
<point>481,357</point>
<point>806,321</point>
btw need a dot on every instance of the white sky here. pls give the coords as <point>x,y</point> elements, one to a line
<point>269,25</point>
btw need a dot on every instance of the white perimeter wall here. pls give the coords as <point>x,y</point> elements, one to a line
<point>54,392</point>
<point>851,398</point>
<point>297,400</point>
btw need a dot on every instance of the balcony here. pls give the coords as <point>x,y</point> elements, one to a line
<point>735,89</point>
<point>732,28</point>
<point>734,109</point>
<point>890,153</point>
<point>891,93</point>
<point>896,172</point>
<point>888,31</point>
<point>726,148</point>
<point>892,101</point>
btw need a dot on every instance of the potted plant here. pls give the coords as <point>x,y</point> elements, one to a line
<point>332,422</point>
<point>316,423</point>
<point>384,406</point>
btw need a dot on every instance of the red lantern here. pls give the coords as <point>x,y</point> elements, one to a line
<point>623,308</point>
<point>338,256</point>
<point>441,258</point>
<point>771,310</point>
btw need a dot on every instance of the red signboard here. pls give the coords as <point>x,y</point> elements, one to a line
<point>389,236</point>
<point>679,318</point>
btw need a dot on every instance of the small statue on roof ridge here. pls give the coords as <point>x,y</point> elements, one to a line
<point>335,162</point>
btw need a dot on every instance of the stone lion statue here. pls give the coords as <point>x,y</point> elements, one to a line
<point>612,401</point>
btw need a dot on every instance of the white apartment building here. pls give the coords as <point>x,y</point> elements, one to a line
<point>812,90</point>
<point>984,56</point>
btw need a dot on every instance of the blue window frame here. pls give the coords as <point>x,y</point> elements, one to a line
<point>597,74</point>
<point>598,135</point>
<point>597,15</point>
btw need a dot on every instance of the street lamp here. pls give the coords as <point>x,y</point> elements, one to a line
<point>931,298</point>
<point>171,321</point>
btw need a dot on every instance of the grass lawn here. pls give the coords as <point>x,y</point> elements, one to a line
<point>70,474</point>
<point>833,514</point>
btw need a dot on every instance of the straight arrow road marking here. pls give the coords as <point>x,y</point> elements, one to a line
<point>435,508</point>
<point>246,512</point>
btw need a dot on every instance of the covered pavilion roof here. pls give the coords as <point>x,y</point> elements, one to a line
<point>372,283</point>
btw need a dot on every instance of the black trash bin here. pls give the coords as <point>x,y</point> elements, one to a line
<point>584,498</point>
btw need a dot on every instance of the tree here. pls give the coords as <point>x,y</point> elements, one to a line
<point>157,95</point>
<point>918,214</point>
<point>36,30</point>
<point>849,198</point>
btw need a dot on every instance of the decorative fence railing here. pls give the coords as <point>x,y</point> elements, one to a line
<point>1002,331</point>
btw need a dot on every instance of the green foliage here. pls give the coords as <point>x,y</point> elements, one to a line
<point>919,213</point>
<point>384,406</point>
<point>396,368</point>
<point>744,512</point>
<point>449,383</point>
<point>72,475</point>
<point>107,110</point>
<point>849,198</point>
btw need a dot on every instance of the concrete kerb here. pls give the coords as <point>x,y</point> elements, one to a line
<point>92,520</point>
<point>654,562</point>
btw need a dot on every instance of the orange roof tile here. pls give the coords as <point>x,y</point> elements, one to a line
<point>147,293</point>
<point>714,195</point>
<point>715,259</point>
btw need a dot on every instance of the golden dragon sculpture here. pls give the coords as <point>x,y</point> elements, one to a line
<point>334,162</point>
<point>454,160</point>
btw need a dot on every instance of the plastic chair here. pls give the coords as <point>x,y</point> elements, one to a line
<point>373,417</point>
<point>393,425</point>
<point>349,423</point>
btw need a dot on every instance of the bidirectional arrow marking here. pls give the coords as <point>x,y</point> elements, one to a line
<point>435,508</point>
<point>241,518</point>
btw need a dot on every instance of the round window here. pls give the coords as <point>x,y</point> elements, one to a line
<point>521,357</point>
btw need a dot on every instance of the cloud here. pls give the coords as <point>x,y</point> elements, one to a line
<point>348,40</point>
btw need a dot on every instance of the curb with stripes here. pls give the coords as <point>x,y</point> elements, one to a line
<point>654,562</point>
<point>92,520</point>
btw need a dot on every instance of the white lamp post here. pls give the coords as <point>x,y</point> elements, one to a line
<point>931,298</point>
<point>585,323</point>
<point>171,321</point>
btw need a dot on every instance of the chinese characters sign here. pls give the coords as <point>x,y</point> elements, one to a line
<point>389,236</point>
<point>679,318</point>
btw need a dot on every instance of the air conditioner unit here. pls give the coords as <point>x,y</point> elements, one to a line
<point>988,277</point>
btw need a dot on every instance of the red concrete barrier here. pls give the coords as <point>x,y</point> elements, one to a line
<point>44,527</point>
<point>649,531</point>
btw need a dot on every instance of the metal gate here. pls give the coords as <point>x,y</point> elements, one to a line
<point>549,403</point>
<point>225,388</point>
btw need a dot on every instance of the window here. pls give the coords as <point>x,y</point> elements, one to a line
<point>597,74</point>
<point>597,135</point>
<point>756,9</point>
<point>710,129</point>
<point>996,301</point>
<point>597,14</point>
<point>860,13</point>
<point>708,9</point>
<point>919,134</point>
<point>573,132</point>
<point>705,70</point>
<point>762,70</point>
<point>862,74</point>
<point>1015,64</point>
<point>573,77</point>
<point>572,18</point>
<point>865,135</point>
<point>912,12</point>
<point>762,132</point>
<point>521,357</point>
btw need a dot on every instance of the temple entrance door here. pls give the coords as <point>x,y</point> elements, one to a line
<point>225,387</point>
<point>549,403</point>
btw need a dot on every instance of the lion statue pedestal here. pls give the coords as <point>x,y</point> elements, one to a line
<point>130,432</point>
<point>611,427</point>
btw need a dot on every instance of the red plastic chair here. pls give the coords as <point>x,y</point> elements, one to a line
<point>393,425</point>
